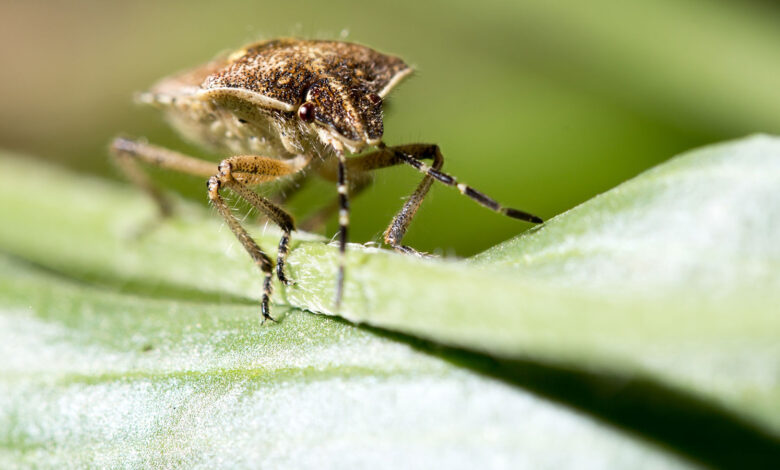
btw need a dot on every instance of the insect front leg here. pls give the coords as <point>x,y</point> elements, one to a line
<point>387,157</point>
<point>414,155</point>
<point>343,192</point>
<point>287,190</point>
<point>258,256</point>
<point>400,224</point>
<point>238,172</point>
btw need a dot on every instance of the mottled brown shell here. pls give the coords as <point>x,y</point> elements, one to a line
<point>343,80</point>
<point>283,69</point>
<point>250,102</point>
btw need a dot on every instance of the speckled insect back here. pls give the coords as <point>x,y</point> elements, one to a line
<point>245,103</point>
<point>289,108</point>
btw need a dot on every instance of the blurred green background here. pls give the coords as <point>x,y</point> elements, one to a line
<point>541,104</point>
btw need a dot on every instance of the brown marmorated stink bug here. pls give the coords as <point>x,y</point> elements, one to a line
<point>289,108</point>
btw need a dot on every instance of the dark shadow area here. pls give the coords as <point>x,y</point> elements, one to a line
<point>136,287</point>
<point>685,424</point>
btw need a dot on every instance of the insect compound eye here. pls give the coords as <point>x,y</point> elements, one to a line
<point>374,98</point>
<point>306,112</point>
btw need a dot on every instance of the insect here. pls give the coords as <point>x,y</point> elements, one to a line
<point>289,108</point>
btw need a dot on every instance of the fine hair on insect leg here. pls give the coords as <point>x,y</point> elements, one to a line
<point>258,256</point>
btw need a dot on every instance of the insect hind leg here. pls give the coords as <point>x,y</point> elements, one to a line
<point>128,154</point>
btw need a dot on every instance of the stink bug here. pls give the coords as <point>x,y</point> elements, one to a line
<point>277,108</point>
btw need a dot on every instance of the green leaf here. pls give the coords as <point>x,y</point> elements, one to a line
<point>99,379</point>
<point>652,307</point>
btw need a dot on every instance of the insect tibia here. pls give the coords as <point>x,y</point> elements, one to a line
<point>518,214</point>
<point>412,156</point>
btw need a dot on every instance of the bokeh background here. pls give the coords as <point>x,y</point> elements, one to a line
<point>542,104</point>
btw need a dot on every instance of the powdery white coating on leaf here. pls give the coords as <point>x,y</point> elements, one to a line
<point>352,401</point>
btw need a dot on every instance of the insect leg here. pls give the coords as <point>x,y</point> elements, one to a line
<point>412,159</point>
<point>261,259</point>
<point>400,224</point>
<point>237,172</point>
<point>128,153</point>
<point>385,157</point>
<point>413,155</point>
<point>358,182</point>
<point>343,190</point>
